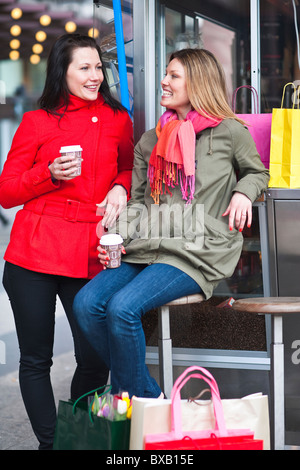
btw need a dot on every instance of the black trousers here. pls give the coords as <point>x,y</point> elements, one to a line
<point>33,299</point>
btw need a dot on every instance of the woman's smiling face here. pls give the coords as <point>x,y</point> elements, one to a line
<point>174,89</point>
<point>84,75</point>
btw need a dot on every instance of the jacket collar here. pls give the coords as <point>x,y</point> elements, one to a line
<point>76,103</point>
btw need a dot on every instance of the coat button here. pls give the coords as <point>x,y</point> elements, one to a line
<point>94,119</point>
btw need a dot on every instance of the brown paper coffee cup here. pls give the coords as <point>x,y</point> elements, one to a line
<point>73,151</point>
<point>112,243</point>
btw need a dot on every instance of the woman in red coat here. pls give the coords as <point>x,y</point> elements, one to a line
<point>54,239</point>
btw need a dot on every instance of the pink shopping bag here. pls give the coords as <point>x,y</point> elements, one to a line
<point>259,126</point>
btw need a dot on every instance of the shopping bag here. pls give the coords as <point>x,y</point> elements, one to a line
<point>150,416</point>
<point>178,436</point>
<point>78,429</point>
<point>259,126</point>
<point>210,443</point>
<point>285,146</point>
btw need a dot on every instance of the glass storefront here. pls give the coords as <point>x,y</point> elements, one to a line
<point>204,29</point>
<point>229,29</point>
<point>221,27</point>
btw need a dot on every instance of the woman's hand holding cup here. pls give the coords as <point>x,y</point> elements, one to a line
<point>110,250</point>
<point>68,165</point>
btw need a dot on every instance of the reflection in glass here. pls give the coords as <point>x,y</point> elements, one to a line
<point>104,22</point>
<point>221,27</point>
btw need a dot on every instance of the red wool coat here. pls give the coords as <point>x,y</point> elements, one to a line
<point>56,230</point>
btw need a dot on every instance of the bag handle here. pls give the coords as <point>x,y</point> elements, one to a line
<point>215,394</point>
<point>217,407</point>
<point>283,93</point>
<point>109,387</point>
<point>254,93</point>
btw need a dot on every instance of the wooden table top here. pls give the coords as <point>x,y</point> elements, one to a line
<point>268,305</point>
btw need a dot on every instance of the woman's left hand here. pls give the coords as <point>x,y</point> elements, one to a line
<point>113,204</point>
<point>239,209</point>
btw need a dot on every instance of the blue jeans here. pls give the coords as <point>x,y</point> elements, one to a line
<point>109,310</point>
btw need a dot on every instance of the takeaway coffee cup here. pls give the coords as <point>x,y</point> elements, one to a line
<point>73,151</point>
<point>112,243</point>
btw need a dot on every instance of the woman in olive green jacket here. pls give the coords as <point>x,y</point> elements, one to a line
<point>194,181</point>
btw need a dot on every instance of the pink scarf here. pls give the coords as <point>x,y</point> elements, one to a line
<point>173,157</point>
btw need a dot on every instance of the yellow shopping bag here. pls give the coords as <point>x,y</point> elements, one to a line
<point>285,146</point>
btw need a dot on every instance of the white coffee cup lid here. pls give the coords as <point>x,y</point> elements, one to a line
<point>70,148</point>
<point>111,239</point>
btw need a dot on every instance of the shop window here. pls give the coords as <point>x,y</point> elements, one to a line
<point>221,27</point>
<point>279,54</point>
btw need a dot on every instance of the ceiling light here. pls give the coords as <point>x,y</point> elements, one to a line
<point>16,13</point>
<point>15,30</point>
<point>37,48</point>
<point>41,36</point>
<point>14,55</point>
<point>70,27</point>
<point>45,20</point>
<point>93,32</point>
<point>15,44</point>
<point>34,59</point>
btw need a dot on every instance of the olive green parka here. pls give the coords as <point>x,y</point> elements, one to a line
<point>194,238</point>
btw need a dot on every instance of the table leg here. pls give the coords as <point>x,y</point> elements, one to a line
<point>165,351</point>
<point>277,370</point>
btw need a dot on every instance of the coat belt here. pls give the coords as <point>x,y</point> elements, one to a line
<point>70,210</point>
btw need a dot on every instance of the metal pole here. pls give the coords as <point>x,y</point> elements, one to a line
<point>277,365</point>
<point>121,54</point>
<point>165,351</point>
<point>255,48</point>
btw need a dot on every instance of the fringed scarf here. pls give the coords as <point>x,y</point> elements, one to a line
<point>172,161</point>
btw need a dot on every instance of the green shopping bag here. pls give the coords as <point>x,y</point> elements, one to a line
<point>78,429</point>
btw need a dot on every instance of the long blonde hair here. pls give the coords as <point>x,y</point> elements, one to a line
<point>206,84</point>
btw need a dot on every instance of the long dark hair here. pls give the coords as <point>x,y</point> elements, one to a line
<point>55,96</point>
